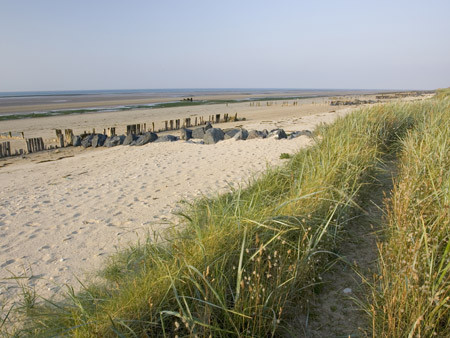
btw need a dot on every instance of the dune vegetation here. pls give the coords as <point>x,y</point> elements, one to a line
<point>239,263</point>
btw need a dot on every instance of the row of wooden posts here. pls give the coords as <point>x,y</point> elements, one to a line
<point>66,139</point>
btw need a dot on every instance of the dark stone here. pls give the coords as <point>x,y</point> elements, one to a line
<point>265,133</point>
<point>130,138</point>
<point>207,126</point>
<point>167,138</point>
<point>255,134</point>
<point>213,135</point>
<point>98,140</point>
<point>87,141</point>
<point>231,132</point>
<point>114,141</point>
<point>278,134</point>
<point>198,133</point>
<point>241,135</point>
<point>185,134</point>
<point>144,139</point>
<point>76,141</point>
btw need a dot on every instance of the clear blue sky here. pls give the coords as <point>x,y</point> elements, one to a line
<point>108,44</point>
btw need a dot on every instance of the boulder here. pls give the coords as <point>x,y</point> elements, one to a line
<point>114,141</point>
<point>230,133</point>
<point>213,135</point>
<point>265,133</point>
<point>166,138</point>
<point>87,141</point>
<point>185,134</point>
<point>144,139</point>
<point>130,138</point>
<point>300,133</point>
<point>241,135</point>
<point>76,141</point>
<point>278,134</point>
<point>207,126</point>
<point>98,140</point>
<point>198,133</point>
<point>255,134</point>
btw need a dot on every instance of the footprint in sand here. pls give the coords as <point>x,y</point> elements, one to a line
<point>8,262</point>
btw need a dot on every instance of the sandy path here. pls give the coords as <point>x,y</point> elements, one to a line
<point>60,219</point>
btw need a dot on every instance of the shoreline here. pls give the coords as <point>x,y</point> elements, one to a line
<point>44,104</point>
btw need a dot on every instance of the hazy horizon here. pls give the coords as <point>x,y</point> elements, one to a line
<point>110,45</point>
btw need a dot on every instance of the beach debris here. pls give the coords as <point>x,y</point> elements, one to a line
<point>167,138</point>
<point>144,139</point>
<point>347,290</point>
<point>213,135</point>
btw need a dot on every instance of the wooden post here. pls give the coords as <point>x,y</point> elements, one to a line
<point>138,129</point>
<point>177,123</point>
<point>171,124</point>
<point>225,117</point>
<point>128,130</point>
<point>61,141</point>
<point>217,118</point>
<point>153,126</point>
<point>196,121</point>
<point>69,137</point>
<point>145,127</point>
<point>166,126</point>
<point>41,141</point>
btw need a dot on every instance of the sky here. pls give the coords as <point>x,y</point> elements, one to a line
<point>109,44</point>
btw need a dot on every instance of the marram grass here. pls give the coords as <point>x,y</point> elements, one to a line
<point>412,296</point>
<point>241,260</point>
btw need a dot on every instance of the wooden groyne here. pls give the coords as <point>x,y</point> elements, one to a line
<point>66,138</point>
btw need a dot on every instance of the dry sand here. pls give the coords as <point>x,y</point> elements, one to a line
<point>61,218</point>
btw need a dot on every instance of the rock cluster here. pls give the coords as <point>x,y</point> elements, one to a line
<point>207,134</point>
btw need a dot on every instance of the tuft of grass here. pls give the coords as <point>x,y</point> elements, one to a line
<point>412,295</point>
<point>285,156</point>
<point>241,260</point>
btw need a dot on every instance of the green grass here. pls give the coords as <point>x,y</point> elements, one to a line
<point>412,295</point>
<point>243,260</point>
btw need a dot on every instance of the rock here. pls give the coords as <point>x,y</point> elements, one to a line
<point>230,133</point>
<point>130,138</point>
<point>300,133</point>
<point>185,134</point>
<point>207,126</point>
<point>144,139</point>
<point>198,133</point>
<point>265,133</point>
<point>76,140</point>
<point>98,140</point>
<point>166,138</point>
<point>241,135</point>
<point>114,141</point>
<point>213,135</point>
<point>255,134</point>
<point>347,290</point>
<point>87,141</point>
<point>278,134</point>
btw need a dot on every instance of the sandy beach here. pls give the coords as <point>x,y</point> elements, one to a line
<point>64,211</point>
